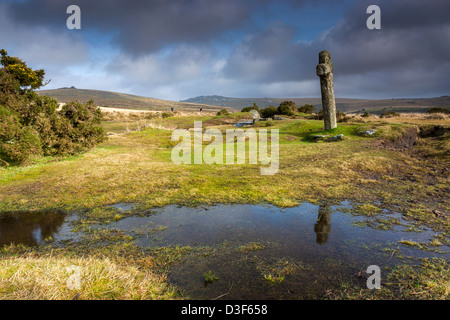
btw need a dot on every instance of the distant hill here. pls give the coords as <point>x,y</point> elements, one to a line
<point>122,100</point>
<point>215,103</point>
<point>342,104</point>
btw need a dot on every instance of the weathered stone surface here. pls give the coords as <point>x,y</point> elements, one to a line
<point>325,71</point>
<point>327,138</point>
<point>368,133</point>
<point>339,137</point>
<point>255,114</point>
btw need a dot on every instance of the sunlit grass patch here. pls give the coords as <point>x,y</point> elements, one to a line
<point>47,277</point>
<point>137,167</point>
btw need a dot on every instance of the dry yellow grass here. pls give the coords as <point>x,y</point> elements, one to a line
<point>136,167</point>
<point>410,117</point>
<point>47,277</point>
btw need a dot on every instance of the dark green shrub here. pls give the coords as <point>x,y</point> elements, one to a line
<point>341,116</point>
<point>9,124</point>
<point>287,108</point>
<point>30,125</point>
<point>223,112</point>
<point>247,109</point>
<point>22,148</point>
<point>438,110</point>
<point>269,112</point>
<point>79,127</point>
<point>389,114</point>
<point>318,115</point>
<point>27,78</point>
<point>17,142</point>
<point>307,108</point>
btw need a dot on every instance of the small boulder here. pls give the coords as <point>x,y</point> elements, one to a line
<point>368,133</point>
<point>339,137</point>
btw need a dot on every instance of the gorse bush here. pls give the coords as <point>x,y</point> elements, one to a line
<point>307,108</point>
<point>223,112</point>
<point>27,79</point>
<point>389,114</point>
<point>287,108</point>
<point>31,125</point>
<point>340,116</point>
<point>269,112</point>
<point>248,109</point>
<point>17,142</point>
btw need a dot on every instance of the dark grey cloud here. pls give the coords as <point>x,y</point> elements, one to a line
<point>272,55</point>
<point>408,56</point>
<point>143,26</point>
<point>176,46</point>
<point>40,46</point>
<point>409,37</point>
<point>411,53</point>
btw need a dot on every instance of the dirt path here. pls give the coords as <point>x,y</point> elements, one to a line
<point>127,111</point>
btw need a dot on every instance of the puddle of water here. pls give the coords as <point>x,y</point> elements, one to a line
<point>255,251</point>
<point>123,206</point>
<point>264,252</point>
<point>34,228</point>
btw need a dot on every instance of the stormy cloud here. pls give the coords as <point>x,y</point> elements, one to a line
<point>176,49</point>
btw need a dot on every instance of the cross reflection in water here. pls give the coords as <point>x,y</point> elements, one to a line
<point>323,224</point>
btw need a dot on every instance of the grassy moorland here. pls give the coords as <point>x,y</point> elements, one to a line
<point>122,100</point>
<point>134,166</point>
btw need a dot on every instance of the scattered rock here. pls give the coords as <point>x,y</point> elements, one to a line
<point>368,133</point>
<point>327,138</point>
<point>339,137</point>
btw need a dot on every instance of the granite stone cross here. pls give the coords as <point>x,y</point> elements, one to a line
<point>325,71</point>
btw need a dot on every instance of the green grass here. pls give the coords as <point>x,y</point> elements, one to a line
<point>428,280</point>
<point>136,167</point>
<point>209,277</point>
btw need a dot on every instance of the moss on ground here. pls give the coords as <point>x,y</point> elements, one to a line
<point>136,167</point>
